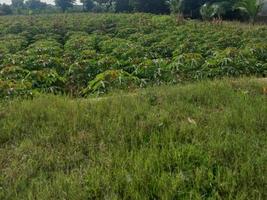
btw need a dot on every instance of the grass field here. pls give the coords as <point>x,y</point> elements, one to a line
<point>205,140</point>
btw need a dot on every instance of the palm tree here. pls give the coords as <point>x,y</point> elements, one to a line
<point>176,6</point>
<point>215,10</point>
<point>221,8</point>
<point>251,7</point>
<point>207,11</point>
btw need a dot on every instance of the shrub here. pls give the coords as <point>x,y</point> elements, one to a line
<point>231,62</point>
<point>111,79</point>
<point>11,88</point>
<point>187,65</point>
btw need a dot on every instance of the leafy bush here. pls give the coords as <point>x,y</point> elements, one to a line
<point>45,47</point>
<point>10,44</point>
<point>78,43</point>
<point>187,65</point>
<point>153,71</point>
<point>13,73</point>
<point>40,55</point>
<point>111,79</point>
<point>232,62</point>
<point>11,88</point>
<point>82,71</point>
<point>47,80</point>
<point>259,51</point>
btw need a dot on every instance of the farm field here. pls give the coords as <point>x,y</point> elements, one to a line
<point>85,54</point>
<point>205,140</point>
<point>132,106</point>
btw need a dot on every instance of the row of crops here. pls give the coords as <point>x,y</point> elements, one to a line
<point>83,54</point>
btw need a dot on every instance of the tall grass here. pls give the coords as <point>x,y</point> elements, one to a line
<point>199,141</point>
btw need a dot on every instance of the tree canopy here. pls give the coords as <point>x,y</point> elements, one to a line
<point>205,9</point>
<point>64,4</point>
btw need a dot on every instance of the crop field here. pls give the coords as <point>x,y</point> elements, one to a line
<point>84,54</point>
<point>132,107</point>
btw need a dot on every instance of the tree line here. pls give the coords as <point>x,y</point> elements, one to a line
<point>205,9</point>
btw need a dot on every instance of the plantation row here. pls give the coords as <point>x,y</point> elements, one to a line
<point>82,54</point>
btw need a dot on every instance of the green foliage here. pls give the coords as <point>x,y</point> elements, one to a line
<point>11,89</point>
<point>154,71</point>
<point>151,6</point>
<point>78,43</point>
<point>45,47</point>
<point>232,62</point>
<point>73,51</point>
<point>226,9</point>
<point>35,4</point>
<point>111,78</point>
<point>64,4</point>
<point>83,70</point>
<point>122,49</point>
<point>17,3</point>
<point>5,9</point>
<point>39,55</point>
<point>176,6</point>
<point>13,72</point>
<point>220,9</point>
<point>12,43</point>
<point>88,5</point>
<point>259,50</point>
<point>47,80</point>
<point>123,6</point>
<point>207,12</point>
<point>250,7</point>
<point>188,65</point>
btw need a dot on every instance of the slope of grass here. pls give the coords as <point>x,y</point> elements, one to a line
<point>200,141</point>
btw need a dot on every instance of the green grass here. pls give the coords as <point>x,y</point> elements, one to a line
<point>204,140</point>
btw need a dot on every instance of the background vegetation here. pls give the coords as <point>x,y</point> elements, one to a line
<point>205,9</point>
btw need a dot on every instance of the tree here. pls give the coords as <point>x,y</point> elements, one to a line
<point>176,6</point>
<point>88,5</point>
<point>191,8</point>
<point>207,11</point>
<point>64,4</point>
<point>123,6</point>
<point>188,8</point>
<point>251,7</point>
<point>5,9</point>
<point>151,6</point>
<point>35,4</point>
<point>17,3</point>
<point>221,8</point>
<point>216,9</point>
<point>107,4</point>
